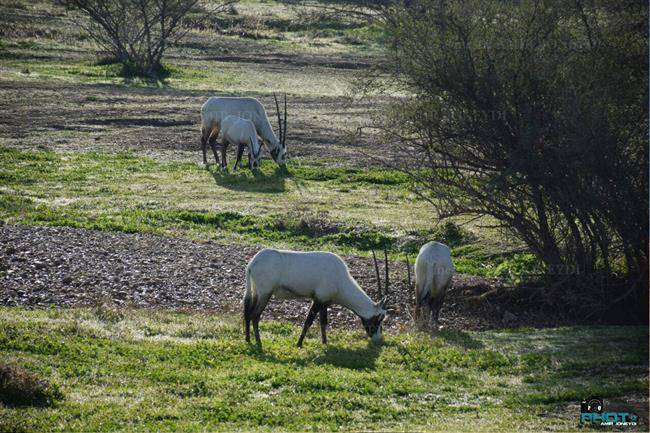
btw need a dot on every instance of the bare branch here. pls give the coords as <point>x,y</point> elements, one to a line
<point>137,32</point>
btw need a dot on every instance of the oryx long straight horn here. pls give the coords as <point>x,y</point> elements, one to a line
<point>374,259</point>
<point>387,282</point>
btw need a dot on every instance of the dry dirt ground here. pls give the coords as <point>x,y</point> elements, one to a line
<point>163,123</point>
<point>53,100</point>
<point>42,266</point>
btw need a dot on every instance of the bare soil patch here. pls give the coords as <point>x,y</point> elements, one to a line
<point>42,266</point>
<point>163,123</point>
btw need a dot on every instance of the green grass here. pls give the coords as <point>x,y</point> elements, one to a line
<point>316,206</point>
<point>124,370</point>
<point>303,29</point>
<point>198,75</point>
<point>50,48</point>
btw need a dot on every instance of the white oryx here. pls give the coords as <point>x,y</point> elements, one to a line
<point>433,275</point>
<point>324,277</point>
<point>216,108</point>
<point>242,132</point>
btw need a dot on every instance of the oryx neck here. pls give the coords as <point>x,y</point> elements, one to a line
<point>359,302</point>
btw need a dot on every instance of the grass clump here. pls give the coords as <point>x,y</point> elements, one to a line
<point>20,387</point>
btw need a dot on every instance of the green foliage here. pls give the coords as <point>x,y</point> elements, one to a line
<point>517,267</point>
<point>452,234</point>
<point>155,370</point>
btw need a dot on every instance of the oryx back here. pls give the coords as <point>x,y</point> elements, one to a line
<point>291,274</point>
<point>217,108</point>
<point>433,271</point>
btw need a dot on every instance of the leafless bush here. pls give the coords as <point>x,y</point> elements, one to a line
<point>137,32</point>
<point>516,116</point>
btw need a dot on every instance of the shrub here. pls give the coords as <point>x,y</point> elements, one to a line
<point>19,387</point>
<point>515,115</point>
<point>136,33</point>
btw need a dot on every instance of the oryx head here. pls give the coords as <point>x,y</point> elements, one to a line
<point>255,155</point>
<point>373,324</point>
<point>279,152</point>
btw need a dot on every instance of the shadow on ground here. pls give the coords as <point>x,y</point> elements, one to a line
<point>361,358</point>
<point>243,180</point>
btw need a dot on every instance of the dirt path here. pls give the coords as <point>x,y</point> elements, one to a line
<point>42,266</point>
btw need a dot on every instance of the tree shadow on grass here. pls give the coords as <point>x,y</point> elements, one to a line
<point>244,180</point>
<point>21,388</point>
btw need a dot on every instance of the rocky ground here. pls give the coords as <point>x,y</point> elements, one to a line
<point>42,266</point>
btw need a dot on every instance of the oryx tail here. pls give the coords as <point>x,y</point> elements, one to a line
<point>250,296</point>
<point>434,283</point>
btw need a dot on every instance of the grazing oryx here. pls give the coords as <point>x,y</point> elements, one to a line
<point>215,109</point>
<point>433,274</point>
<point>321,276</point>
<point>242,133</point>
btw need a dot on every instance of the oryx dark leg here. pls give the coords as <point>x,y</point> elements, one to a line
<point>240,152</point>
<point>422,309</point>
<point>439,306</point>
<point>256,330</point>
<point>315,308</point>
<point>224,147</point>
<point>323,324</point>
<point>255,318</point>
<point>204,144</point>
<point>248,329</point>
<point>212,139</point>
<point>435,304</point>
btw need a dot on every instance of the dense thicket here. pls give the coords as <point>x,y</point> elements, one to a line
<point>534,113</point>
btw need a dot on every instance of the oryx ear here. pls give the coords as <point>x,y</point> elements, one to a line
<point>382,303</point>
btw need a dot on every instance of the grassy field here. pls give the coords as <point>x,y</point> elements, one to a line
<point>318,206</point>
<point>107,152</point>
<point>132,370</point>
